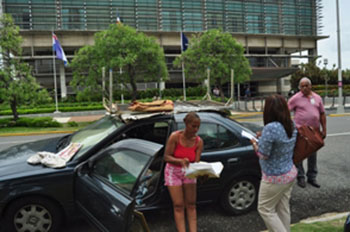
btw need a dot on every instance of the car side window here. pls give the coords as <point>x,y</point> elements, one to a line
<point>215,136</point>
<point>155,132</point>
<point>121,167</point>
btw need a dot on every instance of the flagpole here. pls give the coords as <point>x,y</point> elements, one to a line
<point>54,77</point>
<point>121,86</point>
<point>183,71</point>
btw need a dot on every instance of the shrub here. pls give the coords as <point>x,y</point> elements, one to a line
<point>72,124</point>
<point>38,122</point>
<point>30,122</point>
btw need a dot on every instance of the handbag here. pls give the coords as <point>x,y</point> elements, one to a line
<point>347,224</point>
<point>309,140</point>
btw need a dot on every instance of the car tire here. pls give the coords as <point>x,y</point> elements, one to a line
<point>33,214</point>
<point>240,196</point>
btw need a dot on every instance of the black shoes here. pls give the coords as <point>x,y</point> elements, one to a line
<point>301,183</point>
<point>314,183</point>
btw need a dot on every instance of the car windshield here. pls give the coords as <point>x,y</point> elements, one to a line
<point>94,133</point>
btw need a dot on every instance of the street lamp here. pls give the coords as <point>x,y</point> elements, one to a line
<point>325,62</point>
<point>340,108</point>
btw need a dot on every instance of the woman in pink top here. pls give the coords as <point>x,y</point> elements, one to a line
<point>182,148</point>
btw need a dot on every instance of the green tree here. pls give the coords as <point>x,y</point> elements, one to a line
<point>17,85</point>
<point>310,70</point>
<point>120,47</point>
<point>218,51</point>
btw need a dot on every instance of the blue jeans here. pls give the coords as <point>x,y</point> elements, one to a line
<point>311,168</point>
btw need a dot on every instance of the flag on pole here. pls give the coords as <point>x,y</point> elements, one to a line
<point>58,49</point>
<point>184,45</point>
<point>184,42</point>
<point>118,21</point>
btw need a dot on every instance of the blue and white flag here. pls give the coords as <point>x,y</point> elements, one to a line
<point>58,49</point>
<point>184,42</point>
<point>118,21</point>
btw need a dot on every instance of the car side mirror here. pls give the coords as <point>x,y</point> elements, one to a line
<point>83,168</point>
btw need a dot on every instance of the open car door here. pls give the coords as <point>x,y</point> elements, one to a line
<point>106,184</point>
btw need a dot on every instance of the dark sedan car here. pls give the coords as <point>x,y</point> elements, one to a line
<point>116,171</point>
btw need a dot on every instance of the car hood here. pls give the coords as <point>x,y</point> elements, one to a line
<point>14,159</point>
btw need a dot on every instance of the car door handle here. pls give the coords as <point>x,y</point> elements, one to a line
<point>233,160</point>
<point>115,210</point>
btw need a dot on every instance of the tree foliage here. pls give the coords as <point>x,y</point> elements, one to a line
<point>17,85</point>
<point>317,75</point>
<point>219,52</point>
<point>140,58</point>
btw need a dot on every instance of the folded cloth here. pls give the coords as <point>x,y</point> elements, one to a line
<point>53,160</point>
<point>36,159</point>
<point>48,159</point>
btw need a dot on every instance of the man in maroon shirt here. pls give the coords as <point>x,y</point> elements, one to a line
<point>308,110</point>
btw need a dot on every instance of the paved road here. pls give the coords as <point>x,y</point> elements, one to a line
<point>333,196</point>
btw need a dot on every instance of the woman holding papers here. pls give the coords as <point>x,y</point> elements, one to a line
<point>183,147</point>
<point>275,151</point>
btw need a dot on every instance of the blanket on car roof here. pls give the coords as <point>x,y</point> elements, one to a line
<point>154,106</point>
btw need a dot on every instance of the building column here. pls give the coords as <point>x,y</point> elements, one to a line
<point>161,85</point>
<point>63,81</point>
<point>312,54</point>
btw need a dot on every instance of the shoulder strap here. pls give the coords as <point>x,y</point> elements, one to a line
<point>197,140</point>
<point>178,134</point>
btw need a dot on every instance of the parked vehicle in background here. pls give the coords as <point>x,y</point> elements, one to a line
<point>119,169</point>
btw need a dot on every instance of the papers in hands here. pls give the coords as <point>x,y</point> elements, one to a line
<point>248,135</point>
<point>204,168</point>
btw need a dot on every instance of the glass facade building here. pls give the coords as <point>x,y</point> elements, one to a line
<point>288,17</point>
<point>271,31</point>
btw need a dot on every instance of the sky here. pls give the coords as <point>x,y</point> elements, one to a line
<point>327,48</point>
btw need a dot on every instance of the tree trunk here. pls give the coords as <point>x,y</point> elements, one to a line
<point>134,92</point>
<point>13,104</point>
<point>221,93</point>
<point>133,89</point>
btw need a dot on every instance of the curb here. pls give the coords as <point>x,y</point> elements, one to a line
<point>245,114</point>
<point>325,217</point>
<point>322,218</point>
<point>36,133</point>
<point>339,115</point>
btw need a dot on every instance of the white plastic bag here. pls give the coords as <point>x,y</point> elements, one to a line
<point>201,168</point>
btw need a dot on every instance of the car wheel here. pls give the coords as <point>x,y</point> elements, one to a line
<point>240,196</point>
<point>33,214</point>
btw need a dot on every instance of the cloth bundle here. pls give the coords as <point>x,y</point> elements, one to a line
<point>155,106</point>
<point>55,160</point>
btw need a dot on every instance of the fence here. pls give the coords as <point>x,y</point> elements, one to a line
<point>256,104</point>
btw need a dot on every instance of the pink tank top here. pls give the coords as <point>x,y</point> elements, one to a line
<point>185,152</point>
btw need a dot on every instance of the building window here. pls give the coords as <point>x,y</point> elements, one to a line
<point>192,16</point>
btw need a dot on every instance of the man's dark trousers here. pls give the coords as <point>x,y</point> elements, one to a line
<point>311,168</point>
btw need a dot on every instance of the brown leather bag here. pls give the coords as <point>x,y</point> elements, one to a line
<point>309,140</point>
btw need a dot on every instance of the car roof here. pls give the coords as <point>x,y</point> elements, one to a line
<point>148,147</point>
<point>180,108</point>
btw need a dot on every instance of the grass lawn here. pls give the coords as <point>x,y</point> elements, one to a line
<point>39,130</point>
<point>336,225</point>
